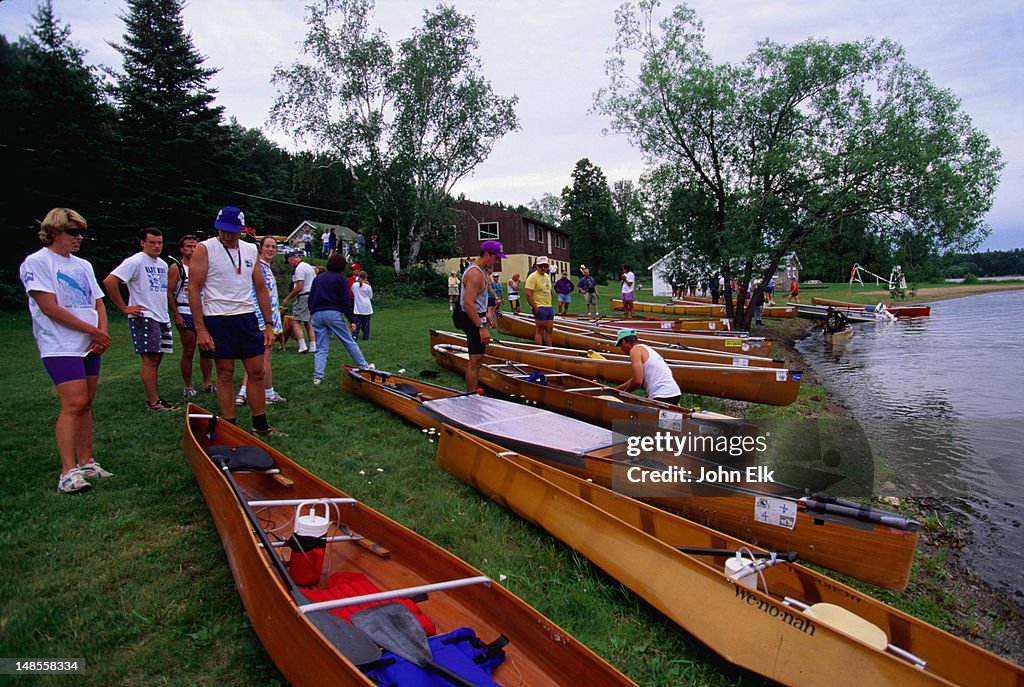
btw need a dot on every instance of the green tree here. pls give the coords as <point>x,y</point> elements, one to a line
<point>176,147</point>
<point>598,237</point>
<point>548,208</point>
<point>409,121</point>
<point>794,140</point>
<point>58,136</point>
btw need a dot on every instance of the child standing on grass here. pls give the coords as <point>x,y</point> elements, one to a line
<point>69,323</point>
<point>362,306</point>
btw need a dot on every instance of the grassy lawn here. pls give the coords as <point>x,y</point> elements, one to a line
<point>131,576</point>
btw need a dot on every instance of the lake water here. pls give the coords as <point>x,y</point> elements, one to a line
<point>941,399</point>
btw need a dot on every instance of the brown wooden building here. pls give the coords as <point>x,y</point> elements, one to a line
<point>523,238</point>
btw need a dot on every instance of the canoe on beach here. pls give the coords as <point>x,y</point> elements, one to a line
<point>254,493</point>
<point>719,341</point>
<point>790,624</point>
<point>871,551</point>
<point>562,392</point>
<point>771,386</point>
<point>567,335</point>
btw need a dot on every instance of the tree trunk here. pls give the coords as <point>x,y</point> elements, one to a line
<point>415,243</point>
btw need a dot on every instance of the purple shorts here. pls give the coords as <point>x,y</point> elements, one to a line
<point>544,314</point>
<point>236,337</point>
<point>189,322</point>
<point>71,368</point>
<point>627,296</point>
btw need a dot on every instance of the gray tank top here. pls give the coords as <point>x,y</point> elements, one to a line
<point>480,302</point>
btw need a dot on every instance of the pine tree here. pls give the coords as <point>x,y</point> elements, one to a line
<point>177,145</point>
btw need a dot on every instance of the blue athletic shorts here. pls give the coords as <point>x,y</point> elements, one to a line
<point>234,336</point>
<point>70,368</point>
<point>544,313</point>
<point>189,323</point>
<point>564,298</point>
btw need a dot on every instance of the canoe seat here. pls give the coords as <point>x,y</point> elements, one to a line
<point>405,389</point>
<point>849,622</point>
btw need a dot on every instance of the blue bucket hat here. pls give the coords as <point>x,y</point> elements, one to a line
<point>229,219</point>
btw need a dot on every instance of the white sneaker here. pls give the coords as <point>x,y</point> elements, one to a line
<point>317,381</point>
<point>312,347</point>
<point>94,469</point>
<point>72,482</point>
<point>239,400</point>
<point>276,398</point>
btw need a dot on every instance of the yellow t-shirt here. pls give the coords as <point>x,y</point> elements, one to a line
<point>540,284</point>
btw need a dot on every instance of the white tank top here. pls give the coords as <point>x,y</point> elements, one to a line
<point>228,287</point>
<point>181,294</point>
<point>658,379</point>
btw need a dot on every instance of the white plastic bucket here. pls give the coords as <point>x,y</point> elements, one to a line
<point>737,565</point>
<point>311,524</point>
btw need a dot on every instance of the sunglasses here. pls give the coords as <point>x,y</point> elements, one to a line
<point>74,231</point>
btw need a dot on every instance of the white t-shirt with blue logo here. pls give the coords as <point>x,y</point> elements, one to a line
<point>73,283</point>
<point>146,279</point>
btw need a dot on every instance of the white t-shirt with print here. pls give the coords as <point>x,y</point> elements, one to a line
<point>146,278</point>
<point>73,283</point>
<point>628,287</point>
<point>306,273</point>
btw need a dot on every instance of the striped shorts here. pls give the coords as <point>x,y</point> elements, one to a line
<point>150,336</point>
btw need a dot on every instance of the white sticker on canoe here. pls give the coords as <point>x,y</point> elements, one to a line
<point>711,325</point>
<point>740,362</point>
<point>670,420</point>
<point>781,375</point>
<point>744,346</point>
<point>666,325</point>
<point>778,512</point>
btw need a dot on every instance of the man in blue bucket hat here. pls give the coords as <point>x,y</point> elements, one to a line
<point>223,274</point>
<point>649,369</point>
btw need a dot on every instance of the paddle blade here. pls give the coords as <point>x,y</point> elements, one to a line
<point>350,641</point>
<point>395,628</point>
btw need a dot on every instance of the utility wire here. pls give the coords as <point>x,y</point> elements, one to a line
<point>285,202</point>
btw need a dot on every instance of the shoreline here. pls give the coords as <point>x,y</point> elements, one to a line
<point>988,615</point>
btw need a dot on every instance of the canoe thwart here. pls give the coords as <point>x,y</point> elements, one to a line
<point>297,502</point>
<point>394,594</point>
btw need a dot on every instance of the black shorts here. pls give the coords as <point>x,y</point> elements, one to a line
<point>234,336</point>
<point>462,322</point>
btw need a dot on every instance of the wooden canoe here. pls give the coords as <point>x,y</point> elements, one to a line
<point>820,312</point>
<point>562,392</point>
<point>718,324</point>
<point>595,339</point>
<point>391,557</point>
<point>878,554</point>
<point>700,309</point>
<point>771,386</point>
<point>724,341</point>
<point>842,336</point>
<point>762,629</point>
<point>897,310</point>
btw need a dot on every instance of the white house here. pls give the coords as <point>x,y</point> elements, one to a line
<point>661,271</point>
<point>294,239</point>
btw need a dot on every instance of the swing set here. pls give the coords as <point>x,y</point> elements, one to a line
<point>896,279</point>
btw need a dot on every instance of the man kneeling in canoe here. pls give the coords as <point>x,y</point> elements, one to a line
<point>649,369</point>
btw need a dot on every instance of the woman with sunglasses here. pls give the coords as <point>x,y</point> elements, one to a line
<point>69,323</point>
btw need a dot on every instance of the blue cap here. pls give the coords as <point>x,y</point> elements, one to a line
<point>229,219</point>
<point>623,334</point>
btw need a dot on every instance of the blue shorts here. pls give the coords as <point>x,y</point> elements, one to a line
<point>150,336</point>
<point>564,298</point>
<point>235,337</point>
<point>544,313</point>
<point>71,368</point>
<point>189,322</point>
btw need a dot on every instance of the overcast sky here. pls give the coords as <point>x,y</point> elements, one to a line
<point>551,54</point>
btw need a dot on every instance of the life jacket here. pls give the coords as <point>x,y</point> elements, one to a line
<point>460,651</point>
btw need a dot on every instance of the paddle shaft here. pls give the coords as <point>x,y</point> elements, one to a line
<point>788,557</point>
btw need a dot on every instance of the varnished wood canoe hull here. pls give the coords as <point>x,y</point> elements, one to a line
<point>757,385</point>
<point>566,393</point>
<point>875,554</point>
<point>539,650</point>
<point>717,324</point>
<point>724,341</point>
<point>842,336</point>
<point>583,339</point>
<point>701,309</point>
<point>634,543</point>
